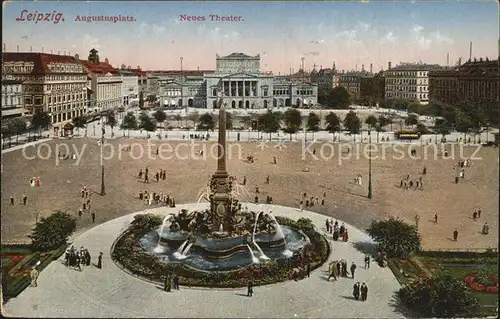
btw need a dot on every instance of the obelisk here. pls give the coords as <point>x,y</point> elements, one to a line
<point>221,186</point>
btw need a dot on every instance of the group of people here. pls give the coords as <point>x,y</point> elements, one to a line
<point>309,202</point>
<point>76,259</point>
<point>162,174</point>
<point>338,269</point>
<point>358,290</point>
<point>24,200</point>
<point>171,282</point>
<point>336,231</point>
<point>86,203</point>
<point>408,183</point>
<point>460,169</point>
<point>34,182</point>
<point>156,198</point>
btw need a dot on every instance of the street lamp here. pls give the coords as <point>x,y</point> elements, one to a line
<point>103,190</point>
<point>369,166</point>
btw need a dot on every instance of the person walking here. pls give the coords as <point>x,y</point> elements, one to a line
<point>93,217</point>
<point>367,261</point>
<point>479,213</point>
<point>436,218</point>
<point>417,219</point>
<point>250,289</point>
<point>355,291</point>
<point>25,199</point>
<point>353,269</point>
<point>455,235</point>
<point>364,292</point>
<point>99,261</point>
<point>11,200</point>
<point>474,216</point>
<point>308,270</point>
<point>176,282</point>
<point>34,277</point>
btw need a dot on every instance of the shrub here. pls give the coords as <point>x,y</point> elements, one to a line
<point>440,296</point>
<point>395,237</point>
<point>53,231</point>
<point>146,221</point>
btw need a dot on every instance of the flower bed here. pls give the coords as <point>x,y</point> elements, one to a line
<point>489,286</point>
<point>129,256</point>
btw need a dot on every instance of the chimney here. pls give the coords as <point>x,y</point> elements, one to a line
<point>31,49</point>
<point>17,48</point>
<point>371,67</point>
<point>389,65</point>
<point>4,47</point>
<point>362,68</point>
<point>42,49</point>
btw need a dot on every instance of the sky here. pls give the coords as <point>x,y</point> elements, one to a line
<point>348,33</point>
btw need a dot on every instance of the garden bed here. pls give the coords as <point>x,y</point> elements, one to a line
<point>127,254</point>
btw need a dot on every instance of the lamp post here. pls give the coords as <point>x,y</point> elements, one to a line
<point>369,166</point>
<point>103,190</point>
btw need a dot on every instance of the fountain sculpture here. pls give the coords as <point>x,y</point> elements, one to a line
<point>223,236</point>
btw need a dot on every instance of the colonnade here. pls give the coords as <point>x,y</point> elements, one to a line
<point>240,88</point>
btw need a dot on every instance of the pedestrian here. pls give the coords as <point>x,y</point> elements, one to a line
<point>327,224</point>
<point>353,269</point>
<point>417,219</point>
<point>176,282</point>
<point>244,180</point>
<point>308,270</point>
<point>80,213</point>
<point>424,171</point>
<point>486,229</point>
<point>355,291</point>
<point>256,199</point>
<point>157,177</point>
<point>99,261</point>
<point>456,179</point>
<point>301,205</point>
<point>367,261</point>
<point>167,285</point>
<point>249,289</point>
<point>34,277</point>
<point>93,217</point>
<point>267,179</point>
<point>257,190</point>
<point>12,200</point>
<point>479,213</point>
<point>364,292</point>
<point>435,218</point>
<point>455,235</point>
<point>274,160</point>
<point>474,216</point>
<point>140,174</point>
<point>25,199</point>
<point>323,201</point>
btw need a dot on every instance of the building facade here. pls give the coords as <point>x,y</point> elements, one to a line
<point>239,81</point>
<point>372,88</point>
<point>12,98</point>
<point>104,84</point>
<point>130,86</point>
<point>409,81</point>
<point>51,83</point>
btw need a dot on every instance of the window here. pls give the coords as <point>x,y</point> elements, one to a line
<point>27,100</point>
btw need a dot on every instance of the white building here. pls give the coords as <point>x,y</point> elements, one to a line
<point>130,86</point>
<point>409,81</point>
<point>51,83</point>
<point>12,98</point>
<point>104,84</point>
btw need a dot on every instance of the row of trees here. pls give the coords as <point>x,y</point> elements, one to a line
<point>19,126</point>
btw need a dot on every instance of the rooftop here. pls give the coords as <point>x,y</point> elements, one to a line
<point>100,69</point>
<point>41,61</point>
<point>415,67</point>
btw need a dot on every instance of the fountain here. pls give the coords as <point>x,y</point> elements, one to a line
<point>223,236</point>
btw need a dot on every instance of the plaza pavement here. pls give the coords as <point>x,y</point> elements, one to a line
<point>111,292</point>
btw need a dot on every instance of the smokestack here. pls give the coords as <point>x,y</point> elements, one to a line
<point>31,49</point>
<point>17,48</point>
<point>470,51</point>
<point>389,65</point>
<point>447,59</point>
<point>42,49</point>
<point>4,47</point>
<point>371,67</point>
<point>362,68</point>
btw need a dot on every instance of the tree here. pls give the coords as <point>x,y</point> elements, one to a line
<point>292,119</point>
<point>194,117</point>
<point>146,122</point>
<point>111,120</point>
<point>178,118</point>
<point>352,123</point>
<point>411,119</point>
<point>313,122</point>
<point>383,121</point>
<point>151,98</point>
<point>79,122</point>
<point>206,122</point>
<point>463,123</point>
<point>52,232</point>
<point>371,120</point>
<point>141,99</point>
<point>338,98</point>
<point>246,120</point>
<point>395,237</point>
<point>415,107</point>
<point>441,296</point>
<point>129,122</point>
<point>333,123</point>
<point>269,122</point>
<point>40,120</point>
<point>160,116</point>
<point>229,120</point>
<point>422,129</point>
<point>17,126</point>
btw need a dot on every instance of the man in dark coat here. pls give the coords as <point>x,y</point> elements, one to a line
<point>355,291</point>
<point>249,289</point>
<point>353,268</point>
<point>99,261</point>
<point>339,264</point>
<point>308,270</point>
<point>176,282</point>
<point>364,292</point>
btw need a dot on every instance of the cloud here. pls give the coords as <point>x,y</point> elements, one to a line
<point>312,53</point>
<point>417,29</point>
<point>425,40</point>
<point>440,38</point>
<point>318,41</point>
<point>363,26</point>
<point>347,35</point>
<point>90,42</point>
<point>388,38</point>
